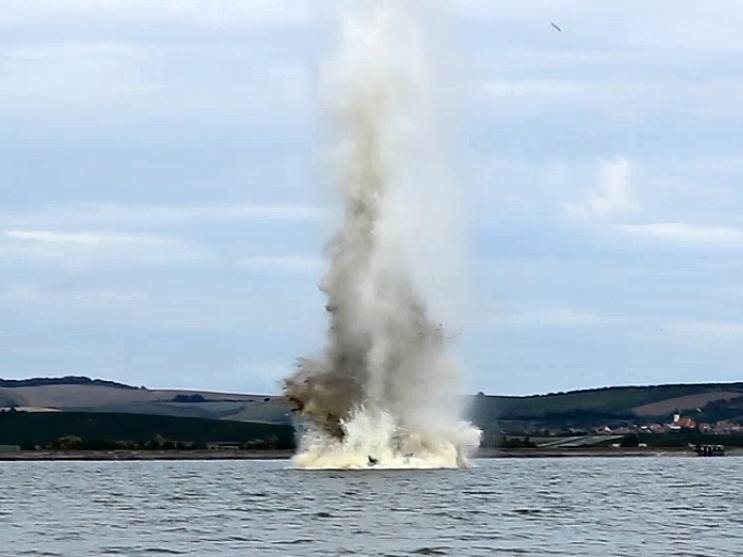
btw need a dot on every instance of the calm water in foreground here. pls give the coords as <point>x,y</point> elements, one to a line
<point>593,506</point>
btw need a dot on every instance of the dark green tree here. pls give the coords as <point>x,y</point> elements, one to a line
<point>630,440</point>
<point>28,445</point>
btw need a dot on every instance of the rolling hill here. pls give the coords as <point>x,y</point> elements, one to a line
<point>555,411</point>
<point>81,394</point>
<point>592,407</point>
<point>43,428</point>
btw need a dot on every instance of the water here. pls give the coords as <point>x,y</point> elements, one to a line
<point>534,507</point>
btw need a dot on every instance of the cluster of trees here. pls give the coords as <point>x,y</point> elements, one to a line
<point>731,409</point>
<point>157,443</point>
<point>492,440</point>
<point>104,431</point>
<point>629,441</point>
<point>76,443</point>
<point>196,397</point>
<point>67,380</point>
<point>686,437</point>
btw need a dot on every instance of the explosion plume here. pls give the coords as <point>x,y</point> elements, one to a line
<point>384,393</point>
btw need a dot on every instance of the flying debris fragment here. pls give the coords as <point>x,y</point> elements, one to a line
<point>555,26</point>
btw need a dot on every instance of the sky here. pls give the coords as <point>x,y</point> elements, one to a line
<point>164,200</point>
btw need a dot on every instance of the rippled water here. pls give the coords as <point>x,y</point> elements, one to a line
<point>592,506</point>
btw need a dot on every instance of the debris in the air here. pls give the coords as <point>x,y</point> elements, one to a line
<point>555,26</point>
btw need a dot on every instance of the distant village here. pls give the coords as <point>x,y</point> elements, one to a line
<point>677,422</point>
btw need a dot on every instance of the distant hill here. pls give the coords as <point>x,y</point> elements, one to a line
<point>82,394</point>
<point>708,401</point>
<point>554,411</point>
<point>42,428</point>
<point>67,380</point>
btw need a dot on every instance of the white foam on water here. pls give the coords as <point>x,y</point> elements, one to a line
<point>373,440</point>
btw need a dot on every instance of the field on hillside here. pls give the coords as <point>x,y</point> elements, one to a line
<point>616,402</point>
<point>108,398</point>
<point>626,408</point>
<point>45,428</point>
<point>585,409</point>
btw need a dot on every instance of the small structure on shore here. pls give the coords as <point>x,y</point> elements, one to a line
<point>710,450</point>
<point>682,422</point>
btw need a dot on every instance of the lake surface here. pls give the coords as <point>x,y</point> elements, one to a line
<point>568,506</point>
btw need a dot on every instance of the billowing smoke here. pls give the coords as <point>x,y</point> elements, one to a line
<point>384,392</point>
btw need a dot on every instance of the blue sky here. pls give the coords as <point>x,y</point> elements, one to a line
<point>164,204</point>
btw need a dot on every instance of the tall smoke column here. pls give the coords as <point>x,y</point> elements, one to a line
<point>384,393</point>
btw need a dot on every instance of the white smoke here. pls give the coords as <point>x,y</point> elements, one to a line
<point>384,393</point>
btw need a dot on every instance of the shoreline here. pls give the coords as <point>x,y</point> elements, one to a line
<point>131,455</point>
<point>147,455</point>
<point>601,452</point>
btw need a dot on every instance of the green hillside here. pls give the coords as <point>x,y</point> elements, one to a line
<point>66,380</point>
<point>610,403</point>
<point>45,427</point>
<point>82,394</point>
<point>555,412</point>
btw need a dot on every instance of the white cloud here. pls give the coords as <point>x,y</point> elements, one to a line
<point>126,79</point>
<point>215,13</point>
<point>614,193</point>
<point>706,329</point>
<point>548,88</point>
<point>638,98</point>
<point>261,376</point>
<point>70,75</point>
<point>283,263</point>
<point>560,317</point>
<point>210,212</point>
<point>86,248</point>
<point>95,214</point>
<point>85,238</point>
<point>714,34</point>
<point>661,24</point>
<point>93,297</point>
<point>685,233</point>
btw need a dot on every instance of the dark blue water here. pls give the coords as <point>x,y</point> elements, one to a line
<point>599,507</point>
